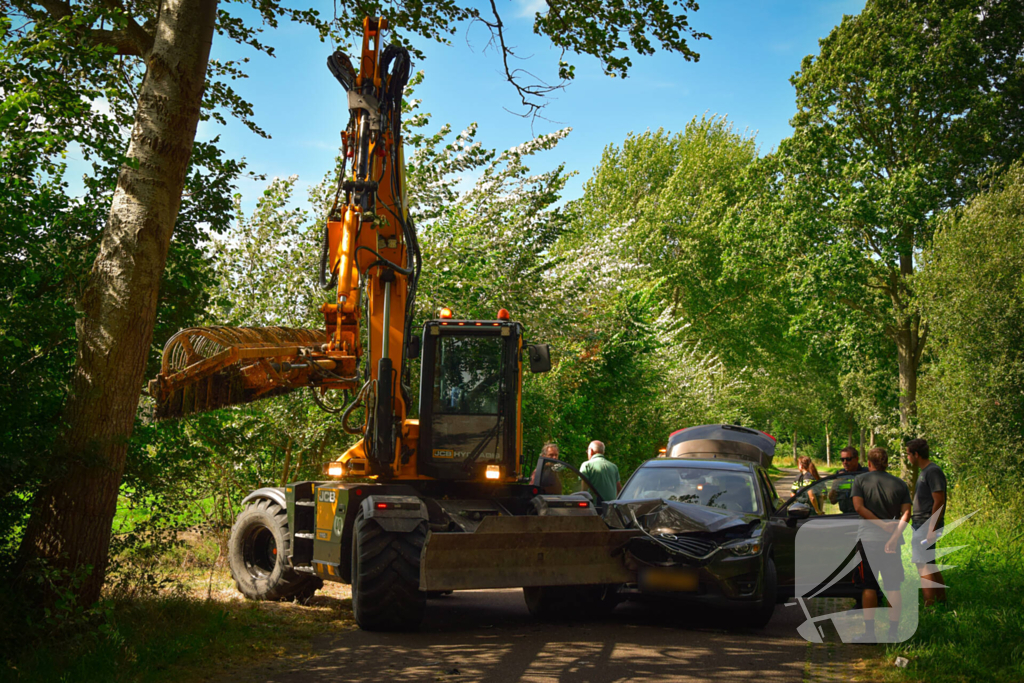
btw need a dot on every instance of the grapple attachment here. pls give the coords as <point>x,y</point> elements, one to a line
<point>205,368</point>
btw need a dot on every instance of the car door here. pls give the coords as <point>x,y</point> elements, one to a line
<point>787,520</point>
<point>571,471</point>
<point>783,562</point>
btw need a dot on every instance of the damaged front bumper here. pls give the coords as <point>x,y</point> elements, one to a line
<point>691,553</point>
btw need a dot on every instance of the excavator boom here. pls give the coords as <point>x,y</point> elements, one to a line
<point>369,249</point>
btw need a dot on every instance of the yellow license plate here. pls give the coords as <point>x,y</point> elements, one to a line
<point>678,579</point>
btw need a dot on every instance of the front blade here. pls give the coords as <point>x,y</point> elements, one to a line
<point>509,552</point>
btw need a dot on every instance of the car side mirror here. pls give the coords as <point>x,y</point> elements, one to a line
<point>412,348</point>
<point>540,357</point>
<point>798,511</point>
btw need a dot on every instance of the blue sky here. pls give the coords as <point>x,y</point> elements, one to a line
<point>744,70</point>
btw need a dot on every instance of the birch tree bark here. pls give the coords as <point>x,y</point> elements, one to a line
<point>71,522</point>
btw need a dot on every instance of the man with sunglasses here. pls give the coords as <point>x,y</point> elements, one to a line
<point>842,485</point>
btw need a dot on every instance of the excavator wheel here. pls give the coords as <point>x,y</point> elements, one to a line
<point>258,555</point>
<point>386,593</point>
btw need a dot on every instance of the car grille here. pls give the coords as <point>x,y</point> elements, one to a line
<point>688,545</point>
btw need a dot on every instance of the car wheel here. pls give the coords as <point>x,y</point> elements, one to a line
<point>759,616</point>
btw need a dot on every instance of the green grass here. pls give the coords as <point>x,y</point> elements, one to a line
<point>979,634</point>
<point>183,637</point>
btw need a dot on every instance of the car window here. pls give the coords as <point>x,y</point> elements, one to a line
<point>716,488</point>
<point>816,497</point>
<point>768,490</point>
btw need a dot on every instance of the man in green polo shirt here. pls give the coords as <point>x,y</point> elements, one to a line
<point>602,472</point>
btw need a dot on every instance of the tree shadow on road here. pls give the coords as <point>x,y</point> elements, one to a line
<point>489,636</point>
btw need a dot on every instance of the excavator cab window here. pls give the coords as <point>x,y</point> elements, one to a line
<point>467,375</point>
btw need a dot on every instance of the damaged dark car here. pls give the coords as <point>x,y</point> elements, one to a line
<point>704,512</point>
<point>702,524</point>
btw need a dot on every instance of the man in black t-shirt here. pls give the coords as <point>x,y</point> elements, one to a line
<point>929,498</point>
<point>883,502</point>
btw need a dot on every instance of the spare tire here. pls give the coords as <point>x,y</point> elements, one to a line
<point>258,552</point>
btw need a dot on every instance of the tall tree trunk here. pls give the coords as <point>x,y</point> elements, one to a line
<point>828,447</point>
<point>862,442</point>
<point>849,432</point>
<point>909,345</point>
<point>287,460</point>
<point>71,520</point>
<point>794,448</point>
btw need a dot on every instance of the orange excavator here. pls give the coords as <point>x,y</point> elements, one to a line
<point>416,506</point>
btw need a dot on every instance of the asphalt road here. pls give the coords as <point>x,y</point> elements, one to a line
<point>489,636</point>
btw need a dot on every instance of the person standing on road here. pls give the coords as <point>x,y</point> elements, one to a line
<point>808,475</point>
<point>929,498</point>
<point>881,499</point>
<point>842,485</point>
<point>602,472</point>
<point>545,478</point>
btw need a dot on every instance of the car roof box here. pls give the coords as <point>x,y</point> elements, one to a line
<point>722,441</point>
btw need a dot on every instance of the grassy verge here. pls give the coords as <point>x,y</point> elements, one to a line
<point>979,634</point>
<point>186,636</point>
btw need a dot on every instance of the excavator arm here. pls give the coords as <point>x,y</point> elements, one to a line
<point>370,260</point>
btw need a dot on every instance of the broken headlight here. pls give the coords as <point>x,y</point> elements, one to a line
<point>744,546</point>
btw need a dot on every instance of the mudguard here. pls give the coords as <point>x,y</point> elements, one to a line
<point>272,493</point>
<point>397,514</point>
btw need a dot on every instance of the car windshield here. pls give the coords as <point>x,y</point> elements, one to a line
<point>723,489</point>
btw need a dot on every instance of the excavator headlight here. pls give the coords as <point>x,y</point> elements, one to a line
<point>493,472</point>
<point>335,469</point>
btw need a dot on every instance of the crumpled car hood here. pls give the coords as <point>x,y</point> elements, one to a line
<point>668,516</point>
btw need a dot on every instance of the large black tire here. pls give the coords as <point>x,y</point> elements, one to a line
<point>386,593</point>
<point>258,555</point>
<point>570,602</point>
<point>761,615</point>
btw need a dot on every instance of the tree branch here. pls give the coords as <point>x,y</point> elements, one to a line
<point>529,94</point>
<point>122,41</point>
<point>133,40</point>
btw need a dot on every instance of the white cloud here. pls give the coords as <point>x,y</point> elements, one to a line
<point>528,8</point>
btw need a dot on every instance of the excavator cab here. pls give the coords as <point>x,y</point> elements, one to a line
<point>470,394</point>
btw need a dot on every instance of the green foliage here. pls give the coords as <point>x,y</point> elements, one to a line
<point>904,110</point>
<point>972,291</point>
<point>596,28</point>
